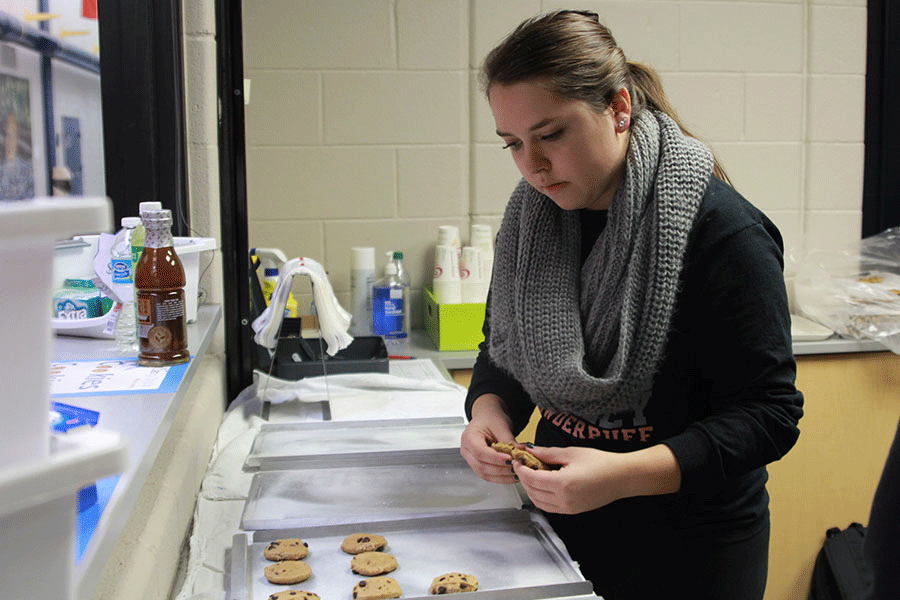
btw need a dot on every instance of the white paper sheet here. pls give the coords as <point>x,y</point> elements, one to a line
<point>416,368</point>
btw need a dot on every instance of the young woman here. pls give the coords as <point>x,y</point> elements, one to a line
<point>638,302</point>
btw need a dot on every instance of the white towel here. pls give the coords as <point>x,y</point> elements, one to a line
<point>364,396</point>
<point>327,387</point>
<point>334,321</point>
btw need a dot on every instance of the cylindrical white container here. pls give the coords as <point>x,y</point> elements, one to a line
<point>448,235</point>
<point>472,286</point>
<point>25,327</point>
<point>28,229</point>
<point>482,237</point>
<point>362,277</point>
<point>446,283</point>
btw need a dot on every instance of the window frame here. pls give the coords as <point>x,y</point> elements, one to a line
<point>142,89</point>
<point>881,175</point>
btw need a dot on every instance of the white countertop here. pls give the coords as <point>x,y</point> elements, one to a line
<point>419,345</point>
<point>143,420</point>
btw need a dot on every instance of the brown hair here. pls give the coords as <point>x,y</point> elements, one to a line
<point>579,58</point>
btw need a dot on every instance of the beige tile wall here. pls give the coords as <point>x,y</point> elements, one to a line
<point>366,125</point>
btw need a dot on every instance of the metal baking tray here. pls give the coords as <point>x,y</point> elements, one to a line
<point>514,554</point>
<point>295,411</point>
<point>328,443</point>
<point>441,485</point>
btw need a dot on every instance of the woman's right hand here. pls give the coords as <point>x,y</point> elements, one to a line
<point>489,424</point>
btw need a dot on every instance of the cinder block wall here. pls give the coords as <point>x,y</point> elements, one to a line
<point>366,126</point>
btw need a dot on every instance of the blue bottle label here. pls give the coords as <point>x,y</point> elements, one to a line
<point>387,312</point>
<point>121,270</point>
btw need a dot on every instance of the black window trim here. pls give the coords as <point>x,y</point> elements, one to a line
<point>142,98</point>
<point>881,175</point>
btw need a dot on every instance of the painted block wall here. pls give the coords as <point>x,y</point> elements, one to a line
<point>366,125</point>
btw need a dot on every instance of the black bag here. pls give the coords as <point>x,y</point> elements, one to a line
<point>840,571</point>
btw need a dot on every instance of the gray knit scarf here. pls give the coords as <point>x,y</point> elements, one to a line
<point>587,340</point>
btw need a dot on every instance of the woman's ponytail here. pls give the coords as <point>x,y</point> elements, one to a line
<point>647,91</point>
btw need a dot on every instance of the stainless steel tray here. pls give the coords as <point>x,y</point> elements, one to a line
<point>322,496</point>
<point>330,443</point>
<point>514,554</point>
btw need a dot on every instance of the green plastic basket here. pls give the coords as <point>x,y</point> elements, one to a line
<point>452,326</point>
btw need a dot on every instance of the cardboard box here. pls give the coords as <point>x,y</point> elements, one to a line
<point>452,326</point>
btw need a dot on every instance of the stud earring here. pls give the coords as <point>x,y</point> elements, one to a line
<point>623,121</point>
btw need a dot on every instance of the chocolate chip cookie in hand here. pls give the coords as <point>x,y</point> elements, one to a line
<point>523,456</point>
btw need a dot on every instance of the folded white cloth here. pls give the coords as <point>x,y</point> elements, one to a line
<point>334,321</point>
<point>328,387</point>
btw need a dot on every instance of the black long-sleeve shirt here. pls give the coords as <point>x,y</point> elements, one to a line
<point>882,545</point>
<point>723,399</point>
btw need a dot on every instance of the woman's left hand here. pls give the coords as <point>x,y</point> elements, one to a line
<point>586,478</point>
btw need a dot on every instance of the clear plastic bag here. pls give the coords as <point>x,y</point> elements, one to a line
<point>856,293</point>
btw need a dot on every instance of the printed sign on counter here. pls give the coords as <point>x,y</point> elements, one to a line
<point>112,377</point>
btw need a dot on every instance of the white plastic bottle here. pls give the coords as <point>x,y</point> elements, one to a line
<point>403,276</point>
<point>471,281</point>
<point>389,304</point>
<point>123,275</point>
<point>270,259</point>
<point>446,280</point>
<point>481,237</point>
<point>362,278</point>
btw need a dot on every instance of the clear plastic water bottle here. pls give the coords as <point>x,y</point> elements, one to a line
<point>403,276</point>
<point>389,304</point>
<point>123,274</point>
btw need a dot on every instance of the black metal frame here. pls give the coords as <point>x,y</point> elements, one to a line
<point>233,188</point>
<point>142,90</point>
<point>881,187</point>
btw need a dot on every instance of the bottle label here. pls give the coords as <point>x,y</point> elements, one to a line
<point>161,327</point>
<point>112,318</point>
<point>122,270</point>
<point>387,312</point>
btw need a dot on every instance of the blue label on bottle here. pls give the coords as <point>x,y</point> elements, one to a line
<point>387,312</point>
<point>121,270</point>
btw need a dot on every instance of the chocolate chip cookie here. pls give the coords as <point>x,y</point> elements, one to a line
<point>523,456</point>
<point>373,563</point>
<point>294,595</point>
<point>287,572</point>
<point>452,583</point>
<point>286,549</point>
<point>363,542</point>
<point>377,588</point>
